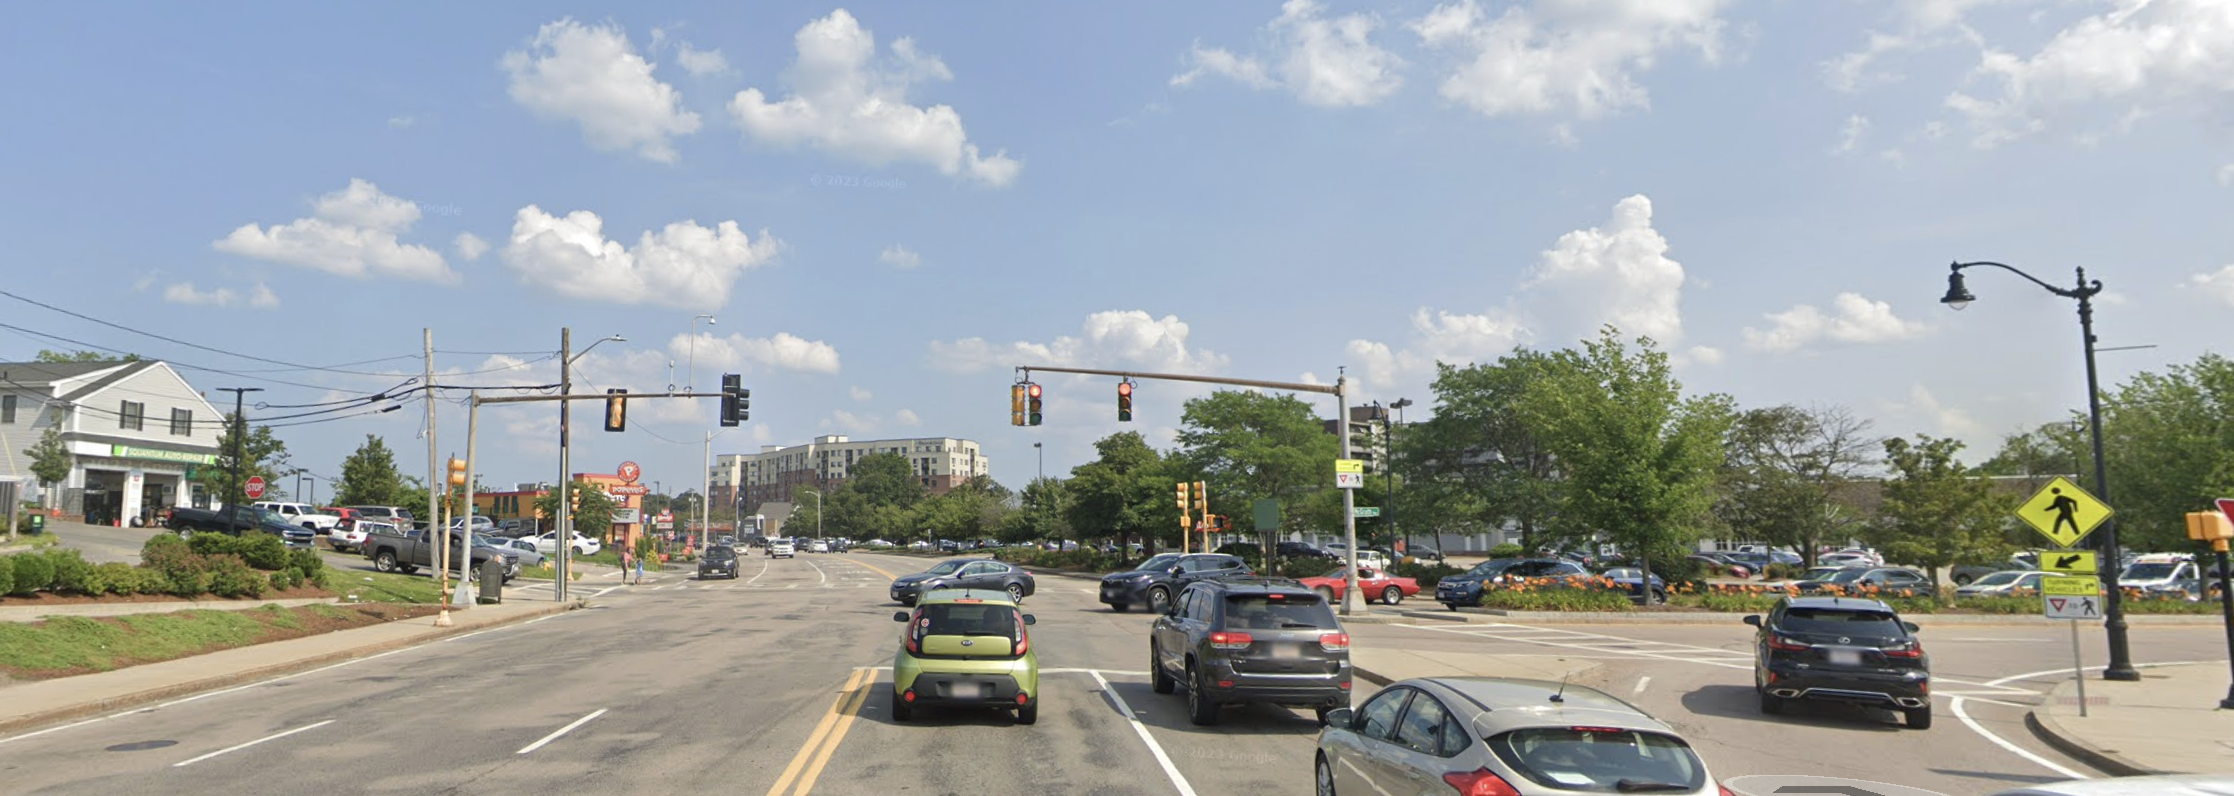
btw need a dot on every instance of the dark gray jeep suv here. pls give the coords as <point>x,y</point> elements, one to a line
<point>1264,640</point>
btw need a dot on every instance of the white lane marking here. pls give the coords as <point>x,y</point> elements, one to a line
<point>1591,648</point>
<point>1964,716</point>
<point>763,569</point>
<point>818,573</point>
<point>792,586</point>
<point>350,662</point>
<point>1154,748</point>
<point>1641,683</point>
<point>231,749</point>
<point>1618,644</point>
<point>61,728</point>
<point>561,731</point>
<point>1090,671</point>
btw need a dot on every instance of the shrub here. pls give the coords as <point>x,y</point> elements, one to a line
<point>285,579</point>
<point>112,578</point>
<point>160,542</point>
<point>1782,571</point>
<point>33,572</point>
<point>323,579</point>
<point>1557,597</point>
<point>1507,550</point>
<point>308,561</point>
<point>229,576</point>
<point>184,572</point>
<point>1681,571</point>
<point>143,581</point>
<point>7,574</point>
<point>266,552</point>
<point>72,572</point>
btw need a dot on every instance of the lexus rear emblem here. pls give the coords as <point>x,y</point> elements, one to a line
<point>968,643</point>
<point>1845,640</point>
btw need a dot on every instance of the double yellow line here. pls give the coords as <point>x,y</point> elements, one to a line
<point>823,742</point>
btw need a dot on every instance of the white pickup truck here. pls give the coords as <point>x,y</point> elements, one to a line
<point>302,514</point>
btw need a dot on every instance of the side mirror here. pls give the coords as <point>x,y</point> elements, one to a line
<point>1030,619</point>
<point>1174,570</point>
<point>902,616</point>
<point>1339,717</point>
<point>1754,620</point>
<point>1912,628</point>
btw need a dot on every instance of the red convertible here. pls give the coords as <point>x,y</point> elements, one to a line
<point>1373,583</point>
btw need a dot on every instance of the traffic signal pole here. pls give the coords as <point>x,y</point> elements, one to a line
<point>1351,603</point>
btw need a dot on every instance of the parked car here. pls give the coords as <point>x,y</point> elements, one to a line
<point>524,548</point>
<point>1250,640</point>
<point>1898,580</point>
<point>350,536</point>
<point>965,647</point>
<point>1375,584</point>
<point>1487,735</point>
<point>719,561</point>
<point>409,551</point>
<point>1721,563</point>
<point>237,520</point>
<point>397,515</point>
<point>1466,588</point>
<point>1422,553</point>
<point>966,573</point>
<point>2159,569</point>
<point>302,514</point>
<point>1840,649</point>
<point>1963,574</point>
<point>547,544</point>
<point>1299,550</point>
<point>2001,584</point>
<point>1154,582</point>
<point>1632,578</point>
<point>482,525</point>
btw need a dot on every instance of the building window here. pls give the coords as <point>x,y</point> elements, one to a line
<point>132,416</point>
<point>182,422</point>
<point>8,409</point>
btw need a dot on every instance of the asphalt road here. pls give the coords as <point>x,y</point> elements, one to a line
<point>102,543</point>
<point>686,687</point>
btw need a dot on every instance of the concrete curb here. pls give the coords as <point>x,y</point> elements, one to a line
<point>19,613</point>
<point>1369,675</point>
<point>12,724</point>
<point>1482,615</point>
<point>2044,725</point>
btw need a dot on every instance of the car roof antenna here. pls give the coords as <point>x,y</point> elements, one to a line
<point>1561,696</point>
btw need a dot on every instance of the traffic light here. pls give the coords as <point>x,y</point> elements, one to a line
<point>1184,505</point>
<point>1033,391</point>
<point>1016,404</point>
<point>730,384</point>
<point>457,473</point>
<point>1125,401</point>
<point>616,410</point>
<point>575,493</point>
<point>744,404</point>
<point>1202,498</point>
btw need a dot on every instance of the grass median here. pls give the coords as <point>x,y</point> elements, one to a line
<point>71,645</point>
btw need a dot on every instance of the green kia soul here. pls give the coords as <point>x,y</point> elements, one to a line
<point>966,647</point>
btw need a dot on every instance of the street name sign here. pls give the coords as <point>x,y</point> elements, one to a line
<point>2060,607</point>
<point>2070,586</point>
<point>2063,512</point>
<point>1362,512</point>
<point>2068,562</point>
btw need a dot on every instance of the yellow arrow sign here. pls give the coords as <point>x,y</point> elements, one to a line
<point>2071,586</point>
<point>1349,465</point>
<point>2068,562</point>
<point>2063,512</point>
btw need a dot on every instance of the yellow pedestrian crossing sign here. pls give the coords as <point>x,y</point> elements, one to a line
<point>2063,512</point>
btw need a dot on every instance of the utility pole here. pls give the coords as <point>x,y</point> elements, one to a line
<point>465,555</point>
<point>240,452</point>
<point>563,538</point>
<point>1350,598</point>
<point>437,484</point>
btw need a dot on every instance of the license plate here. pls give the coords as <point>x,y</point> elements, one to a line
<point>1845,658</point>
<point>965,691</point>
<point>1287,650</point>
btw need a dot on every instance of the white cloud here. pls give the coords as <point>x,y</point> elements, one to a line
<point>1619,274</point>
<point>1328,63</point>
<point>860,394</point>
<point>784,351</point>
<point>1950,421</point>
<point>351,232</point>
<point>1916,24</point>
<point>1559,57</point>
<point>1852,319</point>
<point>2136,58</point>
<point>261,297</point>
<point>700,63</point>
<point>2226,175</point>
<point>1705,355</point>
<point>899,256</point>
<point>1127,337</point>
<point>684,265</point>
<point>147,280</point>
<point>845,104</point>
<point>2217,284</point>
<point>591,75</point>
<point>1850,138</point>
<point>401,122</point>
<point>470,246</point>
<point>907,417</point>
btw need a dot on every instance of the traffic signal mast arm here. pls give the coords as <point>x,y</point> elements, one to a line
<point>1329,389</point>
<point>521,399</point>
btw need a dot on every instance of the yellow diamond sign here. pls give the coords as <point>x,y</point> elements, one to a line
<point>2063,512</point>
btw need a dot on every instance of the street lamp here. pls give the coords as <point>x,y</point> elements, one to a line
<point>690,378</point>
<point>562,537</point>
<point>1958,296</point>
<point>1398,405</point>
<point>817,513</point>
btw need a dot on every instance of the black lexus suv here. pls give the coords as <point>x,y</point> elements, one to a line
<point>1263,640</point>
<point>1841,649</point>
<point>1157,580</point>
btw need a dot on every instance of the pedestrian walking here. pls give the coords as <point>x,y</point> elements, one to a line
<point>624,566</point>
<point>639,569</point>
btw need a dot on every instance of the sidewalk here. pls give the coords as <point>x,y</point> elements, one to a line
<point>2167,723</point>
<point>1385,666</point>
<point>31,704</point>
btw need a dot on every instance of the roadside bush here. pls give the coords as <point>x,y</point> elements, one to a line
<point>308,562</point>
<point>160,542</point>
<point>110,578</point>
<point>71,571</point>
<point>323,579</point>
<point>33,572</point>
<point>184,572</point>
<point>1782,571</point>
<point>1557,596</point>
<point>229,576</point>
<point>1682,571</point>
<point>1507,550</point>
<point>259,550</point>
<point>286,579</point>
<point>7,574</point>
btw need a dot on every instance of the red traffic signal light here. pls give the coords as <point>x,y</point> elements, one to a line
<point>1124,402</point>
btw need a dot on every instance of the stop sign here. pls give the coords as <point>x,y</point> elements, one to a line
<point>255,487</point>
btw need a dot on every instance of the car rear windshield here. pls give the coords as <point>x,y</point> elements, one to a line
<point>966,619</point>
<point>720,553</point>
<point>1277,612</point>
<point>1842,621</point>
<point>1601,759</point>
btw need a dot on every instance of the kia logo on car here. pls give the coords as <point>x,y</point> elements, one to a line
<point>1845,640</point>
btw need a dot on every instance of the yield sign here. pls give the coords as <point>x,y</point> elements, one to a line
<point>2063,512</point>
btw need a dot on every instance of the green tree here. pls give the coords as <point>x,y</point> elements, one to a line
<point>1937,513</point>
<point>259,454</point>
<point>1480,445</point>
<point>1785,470</point>
<point>82,356</point>
<point>1042,512</point>
<point>50,458</point>
<point>595,519</point>
<point>2168,443</point>
<point>2052,449</point>
<point>1639,458</point>
<point>1250,446</point>
<point>885,479</point>
<point>369,476</point>
<point>1125,493</point>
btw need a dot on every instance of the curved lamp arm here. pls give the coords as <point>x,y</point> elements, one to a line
<point>1958,294</point>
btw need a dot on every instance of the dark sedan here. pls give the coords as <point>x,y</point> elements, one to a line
<point>965,573</point>
<point>1466,588</point>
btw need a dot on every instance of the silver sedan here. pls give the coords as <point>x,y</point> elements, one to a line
<point>1487,735</point>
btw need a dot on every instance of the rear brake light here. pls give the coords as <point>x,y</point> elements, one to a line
<point>1777,642</point>
<point>1725,789</point>
<point>969,600</point>
<point>1479,782</point>
<point>1597,729</point>
<point>1334,642</point>
<point>1023,638</point>
<point>1227,640</point>
<point>1908,650</point>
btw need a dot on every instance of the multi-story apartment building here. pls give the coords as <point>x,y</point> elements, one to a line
<point>776,472</point>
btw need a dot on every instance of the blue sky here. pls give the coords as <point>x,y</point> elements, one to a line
<point>887,207</point>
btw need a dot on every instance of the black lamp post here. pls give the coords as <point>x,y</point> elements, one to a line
<point>1958,296</point>
<point>1397,405</point>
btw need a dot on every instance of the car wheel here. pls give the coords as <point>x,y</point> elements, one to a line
<point>1771,703</point>
<point>1962,580</point>
<point>1392,595</point>
<point>1016,595</point>
<point>1157,679</point>
<point>407,569</point>
<point>1028,713</point>
<point>901,710</point>
<point>1325,777</point>
<point>1659,597</point>
<point>1325,593</point>
<point>385,562</point>
<point>1918,718</point>
<point>1159,600</point>
<point>1201,709</point>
